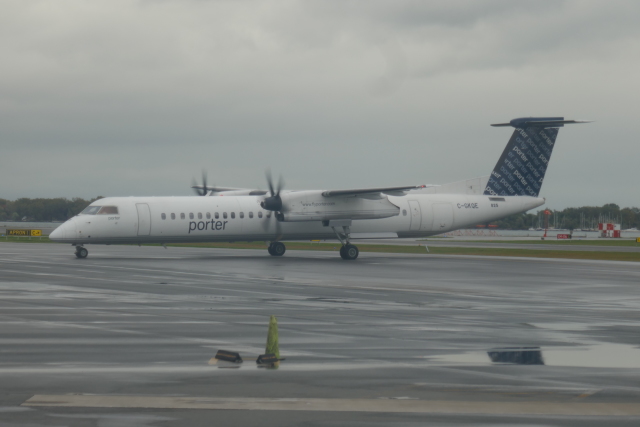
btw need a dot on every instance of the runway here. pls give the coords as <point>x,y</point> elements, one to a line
<point>390,339</point>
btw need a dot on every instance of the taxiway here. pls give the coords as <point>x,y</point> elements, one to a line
<point>390,339</point>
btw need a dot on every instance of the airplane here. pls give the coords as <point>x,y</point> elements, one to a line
<point>236,214</point>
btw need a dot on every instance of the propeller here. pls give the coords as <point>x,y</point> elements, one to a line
<point>273,202</point>
<point>201,191</point>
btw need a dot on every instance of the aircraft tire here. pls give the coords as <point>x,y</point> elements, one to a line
<point>278,249</point>
<point>270,250</point>
<point>81,252</point>
<point>342,253</point>
<point>349,252</point>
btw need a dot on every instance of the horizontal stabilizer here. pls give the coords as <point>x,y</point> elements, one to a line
<point>539,122</point>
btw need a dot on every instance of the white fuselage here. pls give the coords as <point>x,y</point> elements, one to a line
<point>240,218</point>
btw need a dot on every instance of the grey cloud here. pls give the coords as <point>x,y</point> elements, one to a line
<point>137,97</point>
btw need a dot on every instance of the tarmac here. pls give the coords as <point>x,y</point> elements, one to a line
<point>127,336</point>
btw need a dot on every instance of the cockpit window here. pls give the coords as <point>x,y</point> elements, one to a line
<point>90,210</point>
<point>108,210</point>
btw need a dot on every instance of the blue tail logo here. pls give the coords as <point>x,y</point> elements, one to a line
<point>524,161</point>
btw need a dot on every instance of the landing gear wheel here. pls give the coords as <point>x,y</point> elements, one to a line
<point>349,252</point>
<point>81,252</point>
<point>277,249</point>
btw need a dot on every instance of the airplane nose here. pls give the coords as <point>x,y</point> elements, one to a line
<point>56,234</point>
<point>64,232</point>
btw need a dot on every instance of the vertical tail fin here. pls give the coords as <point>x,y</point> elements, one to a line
<point>524,161</point>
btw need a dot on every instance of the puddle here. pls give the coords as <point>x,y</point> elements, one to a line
<point>603,355</point>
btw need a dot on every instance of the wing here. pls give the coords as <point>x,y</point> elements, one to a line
<point>394,191</point>
<point>216,189</point>
<point>231,191</point>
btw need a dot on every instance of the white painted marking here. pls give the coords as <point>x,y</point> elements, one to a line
<point>339,405</point>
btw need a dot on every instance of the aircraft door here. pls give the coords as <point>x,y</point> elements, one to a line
<point>416,216</point>
<point>144,219</point>
<point>442,216</point>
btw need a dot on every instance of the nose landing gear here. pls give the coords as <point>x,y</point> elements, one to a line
<point>81,252</point>
<point>277,249</point>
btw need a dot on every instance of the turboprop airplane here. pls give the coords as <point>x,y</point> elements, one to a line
<point>386,212</point>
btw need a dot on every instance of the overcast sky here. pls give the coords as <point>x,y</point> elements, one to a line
<point>119,98</point>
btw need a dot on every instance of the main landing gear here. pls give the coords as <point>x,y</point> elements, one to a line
<point>277,249</point>
<point>81,252</point>
<point>348,251</point>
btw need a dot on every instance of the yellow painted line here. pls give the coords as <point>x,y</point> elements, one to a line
<point>588,393</point>
<point>338,405</point>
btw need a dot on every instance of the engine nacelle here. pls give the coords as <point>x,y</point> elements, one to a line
<point>312,206</point>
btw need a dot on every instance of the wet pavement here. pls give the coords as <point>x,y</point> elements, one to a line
<point>390,339</point>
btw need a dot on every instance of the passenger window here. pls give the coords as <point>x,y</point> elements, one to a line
<point>404,212</point>
<point>199,215</point>
<point>208,215</point>
<point>190,215</point>
<point>217,215</point>
<point>260,214</point>
<point>233,214</point>
<point>108,210</point>
<point>241,214</point>
<point>224,215</point>
<point>182,216</point>
<point>250,214</point>
<point>163,216</point>
<point>173,216</point>
<point>269,214</point>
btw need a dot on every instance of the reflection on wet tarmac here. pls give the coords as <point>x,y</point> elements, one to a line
<point>600,355</point>
<point>517,356</point>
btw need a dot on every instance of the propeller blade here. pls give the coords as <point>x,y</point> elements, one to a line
<point>267,222</point>
<point>280,185</point>
<point>204,183</point>
<point>270,182</point>
<point>274,201</point>
<point>203,190</point>
<point>278,228</point>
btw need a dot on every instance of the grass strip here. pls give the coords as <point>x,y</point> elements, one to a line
<point>14,239</point>
<point>600,242</point>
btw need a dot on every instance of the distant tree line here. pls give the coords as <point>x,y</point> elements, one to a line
<point>586,217</point>
<point>42,210</point>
